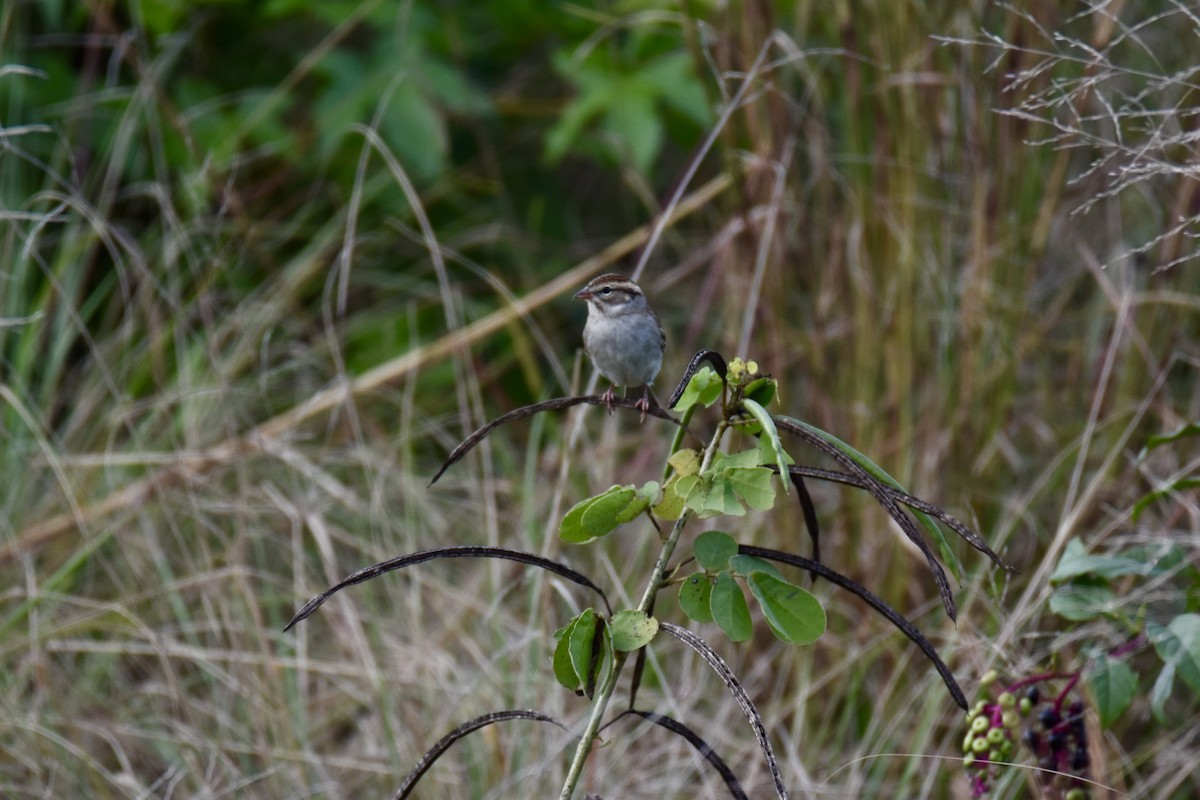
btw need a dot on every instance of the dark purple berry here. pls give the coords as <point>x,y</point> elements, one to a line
<point>1033,695</point>
<point>1079,761</point>
<point>1058,740</point>
<point>1048,717</point>
<point>1032,740</point>
<point>1077,708</point>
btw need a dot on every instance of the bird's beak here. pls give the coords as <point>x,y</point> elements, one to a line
<point>583,294</point>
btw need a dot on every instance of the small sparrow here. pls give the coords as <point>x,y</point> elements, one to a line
<point>622,336</point>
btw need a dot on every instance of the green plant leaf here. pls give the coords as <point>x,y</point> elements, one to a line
<point>600,515</point>
<point>703,389</point>
<point>753,485</point>
<point>1161,691</point>
<point>1176,487</point>
<point>1113,684</point>
<point>743,458</point>
<point>671,504</point>
<point>771,436</point>
<point>695,595</point>
<point>573,654</point>
<point>713,549</point>
<point>649,491</point>
<point>729,609</point>
<point>761,390</point>
<point>632,629</point>
<point>1178,645</point>
<point>636,122</point>
<point>744,565</point>
<point>793,614</point>
<point>609,510</point>
<point>1080,601</point>
<point>685,462</point>
<point>877,472</point>
<point>1182,432</point>
<point>1076,562</point>
<point>710,495</point>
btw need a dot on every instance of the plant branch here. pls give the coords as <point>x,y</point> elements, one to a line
<point>600,703</point>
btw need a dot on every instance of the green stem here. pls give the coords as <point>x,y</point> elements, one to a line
<point>605,692</point>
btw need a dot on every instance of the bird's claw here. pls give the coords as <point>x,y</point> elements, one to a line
<point>610,399</point>
<point>643,405</point>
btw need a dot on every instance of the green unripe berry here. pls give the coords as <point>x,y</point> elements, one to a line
<point>1007,700</point>
<point>988,678</point>
<point>1010,719</point>
<point>994,756</point>
<point>968,760</point>
<point>980,705</point>
<point>980,724</point>
<point>996,735</point>
<point>1025,706</point>
<point>1076,794</point>
<point>980,745</point>
<point>967,742</point>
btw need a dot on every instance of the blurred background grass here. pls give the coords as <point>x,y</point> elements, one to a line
<point>961,235</point>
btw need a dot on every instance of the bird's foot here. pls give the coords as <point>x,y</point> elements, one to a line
<point>610,399</point>
<point>643,405</point>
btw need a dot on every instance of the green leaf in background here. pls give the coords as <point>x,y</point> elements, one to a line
<point>729,609</point>
<point>632,629</point>
<point>713,549</point>
<point>744,565</point>
<point>1081,601</point>
<point>1113,683</point>
<point>1161,691</point>
<point>770,436</point>
<point>1176,487</point>
<point>703,389</point>
<point>1178,645</point>
<point>695,595</point>
<point>793,614</point>
<point>573,654</point>
<point>1076,562</point>
<point>1183,432</point>
<point>877,472</point>
<point>628,100</point>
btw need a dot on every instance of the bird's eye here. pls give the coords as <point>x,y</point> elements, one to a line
<point>606,290</point>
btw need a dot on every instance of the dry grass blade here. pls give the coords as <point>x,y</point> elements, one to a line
<point>467,728</point>
<point>702,747</point>
<point>557,404</point>
<point>878,490</point>
<point>327,399</point>
<point>731,682</point>
<point>400,562</point>
<point>893,616</point>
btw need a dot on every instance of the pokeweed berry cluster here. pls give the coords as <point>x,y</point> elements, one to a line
<point>1053,730</point>
<point>991,733</point>
<point>1059,740</point>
